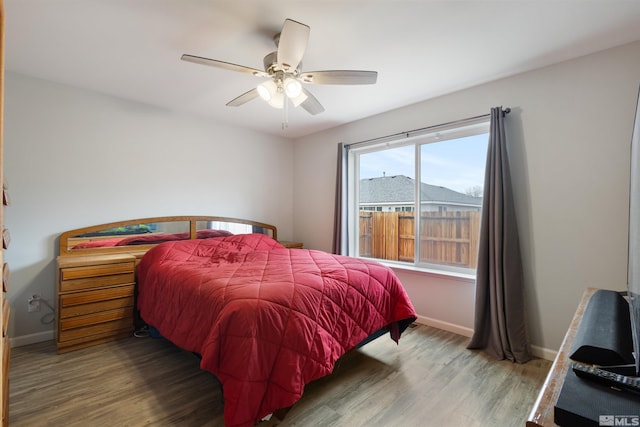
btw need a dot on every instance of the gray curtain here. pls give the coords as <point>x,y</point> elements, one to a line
<point>340,211</point>
<point>499,328</point>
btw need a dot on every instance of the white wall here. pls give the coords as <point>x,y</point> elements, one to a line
<point>67,165</point>
<point>570,133</point>
<point>74,158</point>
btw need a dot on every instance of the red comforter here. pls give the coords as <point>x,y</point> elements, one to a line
<point>266,320</point>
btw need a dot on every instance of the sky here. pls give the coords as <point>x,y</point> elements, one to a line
<point>457,164</point>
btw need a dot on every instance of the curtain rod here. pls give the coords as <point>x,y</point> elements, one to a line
<point>409,132</point>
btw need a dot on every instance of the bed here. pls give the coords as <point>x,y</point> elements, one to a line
<point>265,319</point>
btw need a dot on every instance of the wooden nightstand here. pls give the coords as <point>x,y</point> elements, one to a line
<point>290,245</point>
<point>95,299</point>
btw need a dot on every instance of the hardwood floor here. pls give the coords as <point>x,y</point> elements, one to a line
<point>429,379</point>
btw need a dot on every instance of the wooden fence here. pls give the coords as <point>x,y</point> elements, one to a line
<point>449,238</point>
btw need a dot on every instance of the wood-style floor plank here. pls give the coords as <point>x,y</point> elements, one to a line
<point>429,379</point>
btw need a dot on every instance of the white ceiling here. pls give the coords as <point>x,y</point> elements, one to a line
<point>421,49</point>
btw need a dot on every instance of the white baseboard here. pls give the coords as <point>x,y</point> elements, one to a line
<point>543,353</point>
<point>540,352</point>
<point>32,338</point>
<point>446,326</point>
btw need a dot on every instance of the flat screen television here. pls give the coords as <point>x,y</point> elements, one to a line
<point>633,273</point>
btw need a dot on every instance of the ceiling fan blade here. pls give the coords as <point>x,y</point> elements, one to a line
<point>222,64</point>
<point>311,104</point>
<point>340,77</point>
<point>292,44</point>
<point>244,98</point>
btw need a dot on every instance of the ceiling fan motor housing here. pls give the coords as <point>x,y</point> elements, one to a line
<point>271,66</point>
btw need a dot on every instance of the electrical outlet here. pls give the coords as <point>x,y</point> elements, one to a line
<point>33,303</point>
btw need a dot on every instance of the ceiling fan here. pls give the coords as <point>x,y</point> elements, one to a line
<point>283,68</point>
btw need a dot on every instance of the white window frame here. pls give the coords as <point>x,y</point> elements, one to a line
<point>471,127</point>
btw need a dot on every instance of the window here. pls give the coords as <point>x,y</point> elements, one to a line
<point>433,222</point>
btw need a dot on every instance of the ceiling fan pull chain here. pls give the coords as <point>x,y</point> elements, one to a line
<point>285,113</point>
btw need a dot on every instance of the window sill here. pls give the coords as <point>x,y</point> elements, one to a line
<point>466,277</point>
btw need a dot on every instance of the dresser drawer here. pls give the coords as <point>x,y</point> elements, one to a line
<point>88,297</point>
<point>5,277</point>
<point>70,273</point>
<point>6,343</point>
<point>95,307</point>
<point>6,350</point>
<point>6,310</point>
<point>94,339</point>
<point>93,330</point>
<point>96,282</point>
<point>96,319</point>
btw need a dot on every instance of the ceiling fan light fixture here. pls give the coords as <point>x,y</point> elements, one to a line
<point>277,100</point>
<point>267,90</point>
<point>292,87</point>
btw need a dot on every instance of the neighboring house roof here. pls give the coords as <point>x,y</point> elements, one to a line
<point>399,189</point>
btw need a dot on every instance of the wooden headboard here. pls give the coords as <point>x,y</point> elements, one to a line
<point>83,241</point>
<point>95,285</point>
